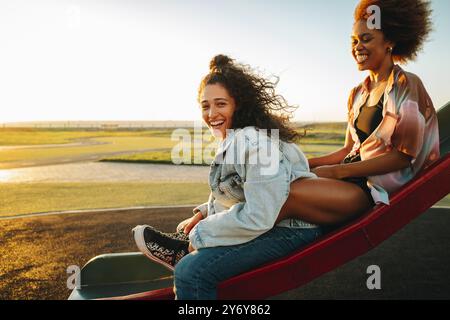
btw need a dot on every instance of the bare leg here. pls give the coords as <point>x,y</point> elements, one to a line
<point>324,201</point>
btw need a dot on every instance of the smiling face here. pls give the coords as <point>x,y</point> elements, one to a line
<point>217,109</point>
<point>369,47</point>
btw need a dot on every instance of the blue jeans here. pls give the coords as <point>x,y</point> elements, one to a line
<point>198,274</point>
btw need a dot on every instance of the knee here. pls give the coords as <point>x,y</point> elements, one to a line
<point>184,269</point>
<point>192,280</point>
<point>191,269</point>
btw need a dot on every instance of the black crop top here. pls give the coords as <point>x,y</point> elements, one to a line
<point>368,120</point>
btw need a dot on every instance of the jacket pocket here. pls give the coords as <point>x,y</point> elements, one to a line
<point>231,188</point>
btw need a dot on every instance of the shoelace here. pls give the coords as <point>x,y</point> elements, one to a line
<point>165,243</point>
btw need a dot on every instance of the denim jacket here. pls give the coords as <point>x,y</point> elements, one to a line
<point>249,180</point>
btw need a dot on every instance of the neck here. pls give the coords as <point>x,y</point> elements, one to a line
<point>382,73</point>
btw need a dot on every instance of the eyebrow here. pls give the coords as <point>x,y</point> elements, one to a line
<point>216,99</point>
<point>361,35</point>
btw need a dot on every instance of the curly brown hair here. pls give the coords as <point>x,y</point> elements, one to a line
<point>407,23</point>
<point>257,104</point>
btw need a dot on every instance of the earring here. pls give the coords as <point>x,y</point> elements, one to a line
<point>389,49</point>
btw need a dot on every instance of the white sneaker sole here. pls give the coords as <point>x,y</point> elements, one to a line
<point>138,234</point>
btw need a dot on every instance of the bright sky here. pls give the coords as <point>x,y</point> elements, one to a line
<point>143,60</point>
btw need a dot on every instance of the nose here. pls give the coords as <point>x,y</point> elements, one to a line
<point>358,47</point>
<point>212,112</point>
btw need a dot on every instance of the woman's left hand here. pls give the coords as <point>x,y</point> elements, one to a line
<point>191,248</point>
<point>330,172</point>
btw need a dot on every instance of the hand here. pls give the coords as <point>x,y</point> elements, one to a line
<point>183,224</point>
<point>188,224</point>
<point>194,220</point>
<point>330,172</point>
<point>191,248</point>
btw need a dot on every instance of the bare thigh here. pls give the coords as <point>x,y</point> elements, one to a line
<point>324,201</point>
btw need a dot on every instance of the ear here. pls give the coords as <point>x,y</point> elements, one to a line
<point>390,44</point>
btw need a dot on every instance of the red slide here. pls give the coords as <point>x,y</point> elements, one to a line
<point>337,247</point>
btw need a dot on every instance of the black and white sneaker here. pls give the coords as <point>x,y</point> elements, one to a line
<point>159,247</point>
<point>180,235</point>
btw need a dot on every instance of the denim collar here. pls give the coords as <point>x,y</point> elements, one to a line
<point>225,143</point>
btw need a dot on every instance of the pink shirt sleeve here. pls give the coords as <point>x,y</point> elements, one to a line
<point>408,136</point>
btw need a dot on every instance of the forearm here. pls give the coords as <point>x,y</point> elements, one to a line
<point>231,227</point>
<point>247,220</point>
<point>329,159</point>
<point>335,157</point>
<point>385,163</point>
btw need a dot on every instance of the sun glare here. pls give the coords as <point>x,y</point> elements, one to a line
<point>5,175</point>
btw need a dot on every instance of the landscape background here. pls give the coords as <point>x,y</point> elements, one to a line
<point>46,170</point>
<point>53,169</point>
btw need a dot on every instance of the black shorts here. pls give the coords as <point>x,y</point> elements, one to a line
<point>359,181</point>
<point>362,183</point>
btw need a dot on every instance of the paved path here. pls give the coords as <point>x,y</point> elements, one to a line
<point>27,163</point>
<point>106,172</point>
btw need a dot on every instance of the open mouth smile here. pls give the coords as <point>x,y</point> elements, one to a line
<point>217,124</point>
<point>361,58</point>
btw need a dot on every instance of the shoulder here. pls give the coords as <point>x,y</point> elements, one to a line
<point>259,140</point>
<point>252,140</point>
<point>292,153</point>
<point>353,94</point>
<point>246,132</point>
<point>405,80</point>
<point>252,135</point>
<point>355,91</point>
<point>409,87</point>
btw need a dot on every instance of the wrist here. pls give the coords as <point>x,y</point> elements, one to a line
<point>340,171</point>
<point>202,209</point>
<point>312,163</point>
<point>199,215</point>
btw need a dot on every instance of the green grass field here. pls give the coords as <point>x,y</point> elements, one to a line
<point>140,146</point>
<point>24,198</point>
<point>101,145</point>
<point>319,139</point>
<point>165,156</point>
<point>38,145</point>
<point>38,136</point>
<point>162,157</point>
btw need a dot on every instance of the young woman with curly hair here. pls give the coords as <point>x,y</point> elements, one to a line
<point>251,217</point>
<point>250,178</point>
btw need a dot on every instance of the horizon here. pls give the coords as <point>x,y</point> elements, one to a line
<point>75,60</point>
<point>86,123</point>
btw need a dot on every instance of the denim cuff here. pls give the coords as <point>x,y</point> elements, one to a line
<point>194,238</point>
<point>203,208</point>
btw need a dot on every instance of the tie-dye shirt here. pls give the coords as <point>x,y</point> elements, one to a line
<point>409,124</point>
